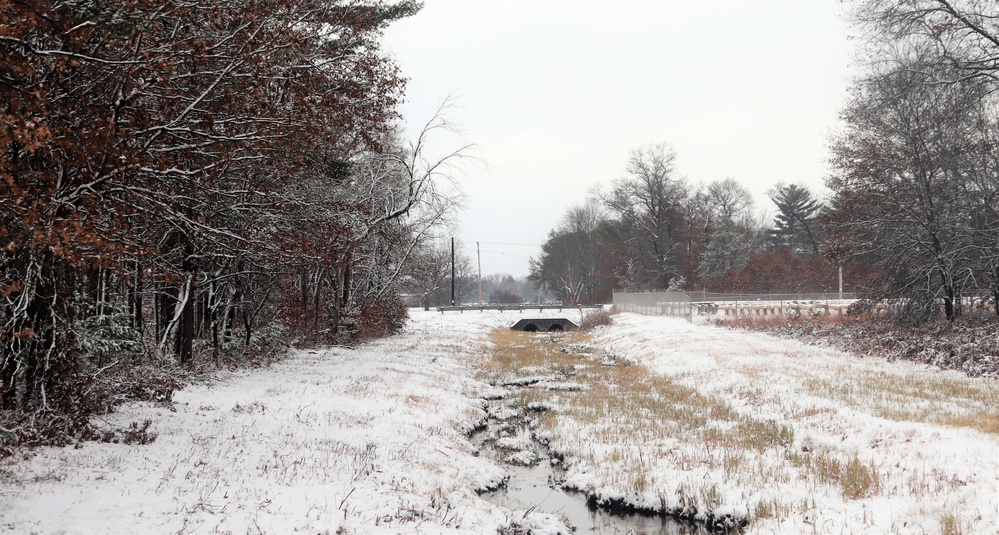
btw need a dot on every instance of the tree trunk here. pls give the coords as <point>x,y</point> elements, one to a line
<point>346,283</point>
<point>318,288</point>
<point>949,303</point>
<point>213,318</point>
<point>305,290</point>
<point>136,300</point>
<point>167,304</point>
<point>248,326</point>
<point>187,315</point>
<point>337,304</point>
<point>180,304</point>
<point>995,288</point>
<point>28,355</point>
<point>187,330</point>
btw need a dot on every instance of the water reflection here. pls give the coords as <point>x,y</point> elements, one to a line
<point>530,487</point>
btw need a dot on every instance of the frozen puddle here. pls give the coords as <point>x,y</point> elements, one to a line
<point>530,488</point>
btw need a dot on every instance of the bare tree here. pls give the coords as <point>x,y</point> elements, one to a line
<point>730,200</point>
<point>962,35</point>
<point>569,259</point>
<point>650,201</point>
<point>901,187</point>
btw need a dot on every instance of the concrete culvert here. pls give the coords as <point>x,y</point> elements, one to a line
<point>534,325</point>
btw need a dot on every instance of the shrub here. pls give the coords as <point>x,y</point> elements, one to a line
<point>596,319</point>
<point>271,339</point>
<point>381,317</point>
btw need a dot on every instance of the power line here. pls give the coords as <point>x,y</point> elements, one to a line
<point>515,244</point>
<point>503,253</point>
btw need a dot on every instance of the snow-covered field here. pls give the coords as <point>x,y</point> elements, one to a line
<point>374,440</point>
<point>847,444</point>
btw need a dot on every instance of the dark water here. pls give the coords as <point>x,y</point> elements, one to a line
<point>531,487</point>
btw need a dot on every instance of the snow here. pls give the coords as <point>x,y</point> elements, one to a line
<point>928,472</point>
<point>375,440</point>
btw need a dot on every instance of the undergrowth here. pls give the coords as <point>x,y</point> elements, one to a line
<point>597,318</point>
<point>99,387</point>
<point>970,344</point>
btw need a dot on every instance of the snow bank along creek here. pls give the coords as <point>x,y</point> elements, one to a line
<point>511,433</point>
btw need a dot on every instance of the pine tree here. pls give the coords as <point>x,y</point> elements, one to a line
<point>795,224</point>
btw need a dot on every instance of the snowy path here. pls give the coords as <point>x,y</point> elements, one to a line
<point>373,441</point>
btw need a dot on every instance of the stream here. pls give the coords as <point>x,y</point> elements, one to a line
<point>535,487</point>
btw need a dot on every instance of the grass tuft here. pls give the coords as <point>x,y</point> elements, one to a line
<point>860,480</point>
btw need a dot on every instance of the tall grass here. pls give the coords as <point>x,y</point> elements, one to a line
<point>690,442</point>
<point>628,423</point>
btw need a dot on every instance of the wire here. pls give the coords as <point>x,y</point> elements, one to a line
<point>502,253</point>
<point>515,244</point>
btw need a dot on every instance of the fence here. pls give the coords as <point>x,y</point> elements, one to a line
<point>518,308</point>
<point>676,304</point>
<point>703,303</point>
<point>704,296</point>
<point>772,304</point>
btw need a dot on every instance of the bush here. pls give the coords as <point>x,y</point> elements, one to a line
<point>271,339</point>
<point>596,319</point>
<point>135,433</point>
<point>383,317</point>
<point>970,344</point>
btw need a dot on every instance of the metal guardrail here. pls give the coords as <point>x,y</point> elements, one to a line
<point>518,308</point>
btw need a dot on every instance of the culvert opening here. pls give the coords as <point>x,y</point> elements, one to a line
<point>544,324</point>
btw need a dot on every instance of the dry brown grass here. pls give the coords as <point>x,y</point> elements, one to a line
<point>640,430</point>
<point>950,400</point>
<point>634,418</point>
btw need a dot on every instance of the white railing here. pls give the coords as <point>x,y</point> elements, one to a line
<point>675,304</point>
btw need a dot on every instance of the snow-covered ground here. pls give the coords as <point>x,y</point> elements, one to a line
<point>371,440</point>
<point>374,440</point>
<point>930,436</point>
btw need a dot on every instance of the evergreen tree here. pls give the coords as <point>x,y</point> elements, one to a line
<point>795,224</point>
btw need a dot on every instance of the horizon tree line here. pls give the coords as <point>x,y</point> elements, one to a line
<point>653,230</point>
<point>913,215</point>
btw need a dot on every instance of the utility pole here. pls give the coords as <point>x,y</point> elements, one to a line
<point>541,284</point>
<point>479,256</point>
<point>452,270</point>
<point>841,282</point>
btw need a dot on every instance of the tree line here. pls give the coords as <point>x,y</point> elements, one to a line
<point>655,230</point>
<point>912,215</point>
<point>185,181</point>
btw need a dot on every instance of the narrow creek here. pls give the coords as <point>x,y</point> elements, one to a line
<point>534,485</point>
<point>536,488</point>
<point>535,380</point>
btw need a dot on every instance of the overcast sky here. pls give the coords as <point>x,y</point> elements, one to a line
<point>554,94</point>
